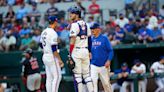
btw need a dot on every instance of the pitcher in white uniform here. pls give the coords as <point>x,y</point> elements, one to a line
<point>51,57</point>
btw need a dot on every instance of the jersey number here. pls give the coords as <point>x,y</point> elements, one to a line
<point>34,65</point>
<point>44,39</point>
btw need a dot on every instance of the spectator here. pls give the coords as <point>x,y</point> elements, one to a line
<point>6,26</point>
<point>122,21</point>
<point>2,2</point>
<point>35,39</point>
<point>130,36</point>
<point>109,30</point>
<point>130,6</point>
<point>11,2</point>
<point>143,34</point>
<point>153,21</point>
<point>24,30</point>
<point>33,23</point>
<point>10,41</point>
<point>19,2</point>
<point>10,16</point>
<point>25,42</point>
<point>157,68</point>
<point>118,36</point>
<point>52,11</point>
<point>140,68</point>
<point>94,10</point>
<point>161,11</point>
<point>91,20</point>
<point>16,28</point>
<point>83,10</point>
<point>2,41</point>
<point>143,11</point>
<point>123,80</point>
<point>154,9</point>
<point>138,25</point>
<point>155,35</point>
<point>34,13</point>
<point>22,12</point>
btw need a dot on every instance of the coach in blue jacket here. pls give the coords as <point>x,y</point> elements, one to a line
<point>102,54</point>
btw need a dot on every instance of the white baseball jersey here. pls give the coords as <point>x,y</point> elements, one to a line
<point>80,54</point>
<point>52,68</point>
<point>158,67</point>
<point>141,67</point>
<point>81,36</point>
<point>48,38</point>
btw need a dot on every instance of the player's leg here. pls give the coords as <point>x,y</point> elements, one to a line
<point>37,81</point>
<point>124,86</point>
<point>60,76</point>
<point>77,75</point>
<point>30,82</point>
<point>159,84</point>
<point>94,76</point>
<point>115,86</point>
<point>48,79</point>
<point>86,73</point>
<point>56,76</point>
<point>104,77</point>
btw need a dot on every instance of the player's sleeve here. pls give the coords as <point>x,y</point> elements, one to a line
<point>109,49</point>
<point>153,66</point>
<point>54,41</point>
<point>144,68</point>
<point>74,29</point>
<point>53,38</point>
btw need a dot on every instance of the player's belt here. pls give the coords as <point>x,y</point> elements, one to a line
<point>81,47</point>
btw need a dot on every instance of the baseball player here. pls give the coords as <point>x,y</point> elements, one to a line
<point>80,48</point>
<point>123,80</point>
<point>140,68</point>
<point>51,57</point>
<point>102,54</point>
<point>158,67</point>
<point>31,72</point>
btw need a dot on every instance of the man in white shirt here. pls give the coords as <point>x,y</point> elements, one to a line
<point>140,68</point>
<point>158,67</point>
<point>122,21</point>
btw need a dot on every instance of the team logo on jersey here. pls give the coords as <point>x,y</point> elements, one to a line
<point>72,32</point>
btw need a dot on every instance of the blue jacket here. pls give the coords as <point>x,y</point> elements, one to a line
<point>101,50</point>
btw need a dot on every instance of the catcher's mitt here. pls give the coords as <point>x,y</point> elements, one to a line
<point>70,63</point>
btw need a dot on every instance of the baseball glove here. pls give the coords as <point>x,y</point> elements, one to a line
<point>70,63</point>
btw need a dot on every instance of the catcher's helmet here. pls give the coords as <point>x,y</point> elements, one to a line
<point>51,19</point>
<point>29,51</point>
<point>75,10</point>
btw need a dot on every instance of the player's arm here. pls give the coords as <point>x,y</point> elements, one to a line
<point>110,54</point>
<point>73,34</point>
<point>152,70</point>
<point>56,54</point>
<point>54,43</point>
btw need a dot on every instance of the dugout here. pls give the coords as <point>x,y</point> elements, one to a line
<point>148,53</point>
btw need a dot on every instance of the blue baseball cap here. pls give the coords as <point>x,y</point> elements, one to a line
<point>52,18</point>
<point>95,25</point>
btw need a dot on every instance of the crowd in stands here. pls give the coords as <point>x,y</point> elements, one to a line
<point>21,29</point>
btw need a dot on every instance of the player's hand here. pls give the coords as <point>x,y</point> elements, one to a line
<point>107,64</point>
<point>61,64</point>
